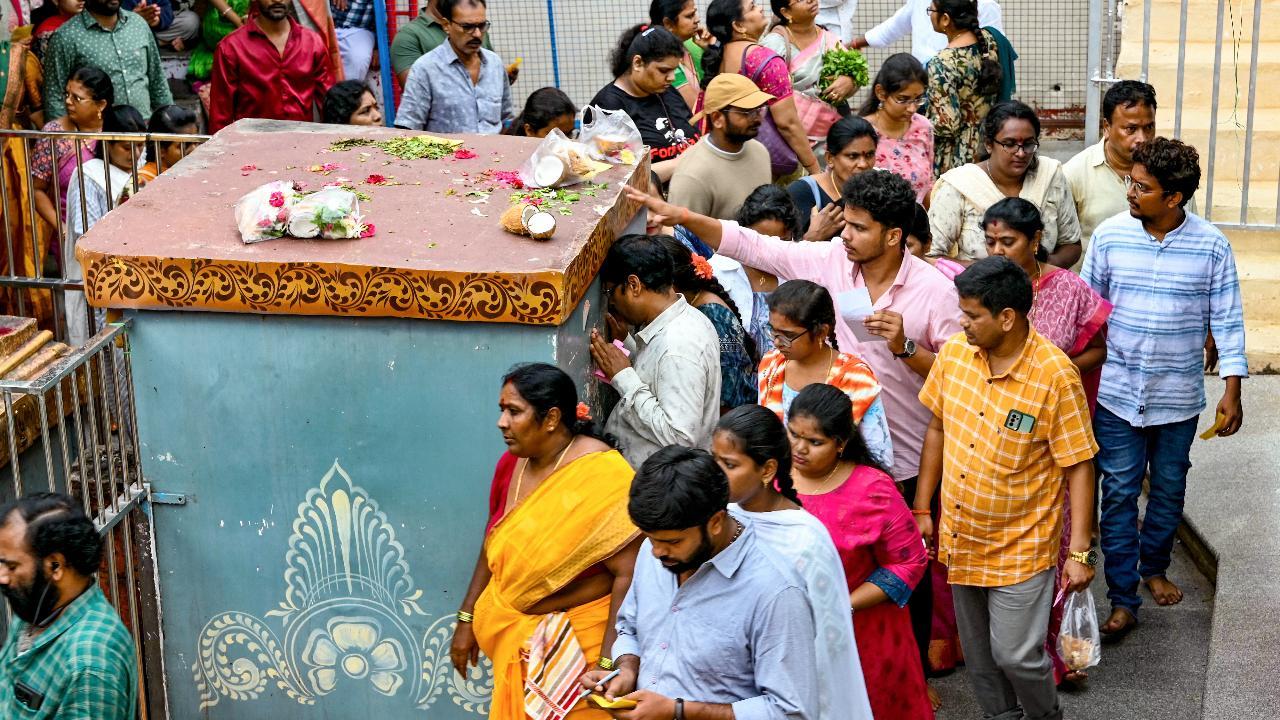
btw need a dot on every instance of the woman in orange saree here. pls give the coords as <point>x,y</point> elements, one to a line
<point>557,556</point>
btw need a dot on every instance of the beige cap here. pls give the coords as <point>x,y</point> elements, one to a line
<point>728,89</point>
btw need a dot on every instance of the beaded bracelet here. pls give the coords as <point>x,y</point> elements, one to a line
<point>605,663</point>
<point>921,512</point>
<point>465,617</point>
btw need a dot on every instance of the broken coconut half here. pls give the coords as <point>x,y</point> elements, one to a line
<point>528,219</point>
<point>550,171</point>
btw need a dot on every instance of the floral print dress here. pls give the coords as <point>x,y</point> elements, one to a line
<point>955,105</point>
<point>910,156</point>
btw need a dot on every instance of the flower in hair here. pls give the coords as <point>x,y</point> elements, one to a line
<point>702,268</point>
<point>583,412</point>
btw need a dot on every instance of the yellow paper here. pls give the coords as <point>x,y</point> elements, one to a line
<point>435,140</point>
<point>1213,431</point>
<point>601,701</point>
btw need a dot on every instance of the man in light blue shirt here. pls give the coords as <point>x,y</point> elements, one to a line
<point>714,626</point>
<point>459,87</point>
<point>1172,278</point>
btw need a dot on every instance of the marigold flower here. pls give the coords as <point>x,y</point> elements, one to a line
<point>584,412</point>
<point>702,268</point>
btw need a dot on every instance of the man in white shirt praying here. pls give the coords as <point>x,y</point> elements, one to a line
<point>670,384</point>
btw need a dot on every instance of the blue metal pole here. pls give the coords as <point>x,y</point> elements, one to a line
<point>555,53</point>
<point>384,62</point>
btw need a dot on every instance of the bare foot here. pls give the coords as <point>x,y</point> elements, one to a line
<point>1165,592</point>
<point>1119,624</point>
<point>934,698</point>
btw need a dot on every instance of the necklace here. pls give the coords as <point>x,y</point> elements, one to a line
<point>1106,158</point>
<point>520,477</point>
<point>827,480</point>
<point>737,532</point>
<point>986,168</point>
<point>1035,289</point>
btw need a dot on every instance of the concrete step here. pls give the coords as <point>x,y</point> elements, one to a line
<point>1227,196</point>
<point>1202,20</point>
<point>1257,255</point>
<point>1231,138</point>
<point>1162,71</point>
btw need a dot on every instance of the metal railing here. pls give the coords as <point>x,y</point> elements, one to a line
<point>37,250</point>
<point>1237,171</point>
<point>70,428</point>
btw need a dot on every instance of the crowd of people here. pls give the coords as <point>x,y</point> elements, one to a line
<point>882,378</point>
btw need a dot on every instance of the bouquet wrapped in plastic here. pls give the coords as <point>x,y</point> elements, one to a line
<point>332,213</point>
<point>263,213</point>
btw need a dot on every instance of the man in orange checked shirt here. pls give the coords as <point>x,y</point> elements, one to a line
<point>1010,424</point>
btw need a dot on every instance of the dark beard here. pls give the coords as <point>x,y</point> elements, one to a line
<point>28,602</point>
<point>705,552</point>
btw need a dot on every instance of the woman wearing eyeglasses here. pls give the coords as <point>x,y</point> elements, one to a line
<point>1011,133</point>
<point>906,136</point>
<point>802,321</point>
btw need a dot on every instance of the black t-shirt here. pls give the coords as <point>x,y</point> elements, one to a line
<point>802,195</point>
<point>663,119</point>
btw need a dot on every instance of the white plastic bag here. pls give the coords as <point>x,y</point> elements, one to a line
<point>610,135</point>
<point>263,213</point>
<point>1079,642</point>
<point>559,162</point>
<point>332,213</point>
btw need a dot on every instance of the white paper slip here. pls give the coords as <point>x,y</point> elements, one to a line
<point>855,306</point>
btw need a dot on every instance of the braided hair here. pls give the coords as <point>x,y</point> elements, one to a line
<point>760,435</point>
<point>833,411</point>
<point>687,280</point>
<point>721,15</point>
<point>964,15</point>
<point>806,304</point>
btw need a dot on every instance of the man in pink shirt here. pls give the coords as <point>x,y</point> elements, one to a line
<point>915,307</point>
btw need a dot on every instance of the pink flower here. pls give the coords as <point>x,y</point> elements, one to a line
<point>282,216</point>
<point>265,222</point>
<point>463,154</point>
<point>277,199</point>
<point>367,230</point>
<point>376,179</point>
<point>246,169</point>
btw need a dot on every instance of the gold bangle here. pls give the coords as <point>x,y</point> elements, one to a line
<point>465,617</point>
<point>605,663</point>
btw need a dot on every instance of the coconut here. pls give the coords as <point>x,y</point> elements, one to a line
<point>550,171</point>
<point>611,144</point>
<point>512,220</point>
<point>541,225</point>
<point>528,211</point>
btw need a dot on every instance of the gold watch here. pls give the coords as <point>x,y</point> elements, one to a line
<point>1086,557</point>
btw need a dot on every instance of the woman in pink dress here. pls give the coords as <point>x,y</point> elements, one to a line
<point>1070,315</point>
<point>860,505</point>
<point>906,137</point>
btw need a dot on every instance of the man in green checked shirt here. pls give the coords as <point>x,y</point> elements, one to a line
<point>67,655</point>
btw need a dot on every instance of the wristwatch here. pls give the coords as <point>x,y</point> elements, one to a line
<point>1086,557</point>
<point>908,350</point>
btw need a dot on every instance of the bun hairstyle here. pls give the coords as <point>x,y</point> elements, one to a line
<point>650,42</point>
<point>964,15</point>
<point>846,130</point>
<point>833,411</point>
<point>664,11</point>
<point>770,202</point>
<point>898,71</point>
<point>806,304</point>
<point>546,386</point>
<point>721,15</point>
<point>688,280</point>
<point>1021,216</point>
<point>760,435</point>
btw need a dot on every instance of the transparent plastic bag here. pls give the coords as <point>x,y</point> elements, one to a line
<point>1079,642</point>
<point>610,135</point>
<point>559,162</point>
<point>332,213</point>
<point>263,213</point>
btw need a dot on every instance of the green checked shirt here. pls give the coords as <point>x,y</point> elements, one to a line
<point>82,667</point>
<point>127,53</point>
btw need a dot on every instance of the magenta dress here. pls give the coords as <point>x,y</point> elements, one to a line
<point>911,156</point>
<point>878,542</point>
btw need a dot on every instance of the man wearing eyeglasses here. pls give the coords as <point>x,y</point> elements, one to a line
<point>1172,278</point>
<point>459,87</point>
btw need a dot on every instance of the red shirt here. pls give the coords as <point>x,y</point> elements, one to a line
<point>252,79</point>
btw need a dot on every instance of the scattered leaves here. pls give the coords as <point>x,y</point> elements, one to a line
<point>348,143</point>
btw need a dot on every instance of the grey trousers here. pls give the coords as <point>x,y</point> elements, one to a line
<point>1002,631</point>
<point>186,26</point>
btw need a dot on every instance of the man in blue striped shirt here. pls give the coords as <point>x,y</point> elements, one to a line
<point>1172,278</point>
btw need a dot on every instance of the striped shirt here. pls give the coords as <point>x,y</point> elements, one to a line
<point>1007,438</point>
<point>1167,294</point>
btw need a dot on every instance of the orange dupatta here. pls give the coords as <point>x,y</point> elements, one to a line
<point>575,519</point>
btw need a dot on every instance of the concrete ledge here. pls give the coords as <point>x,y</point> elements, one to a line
<point>1233,515</point>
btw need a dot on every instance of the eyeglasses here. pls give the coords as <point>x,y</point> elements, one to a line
<point>1011,147</point>
<point>1131,184</point>
<point>781,339</point>
<point>473,28</point>
<point>753,112</point>
<point>71,97</point>
<point>916,101</point>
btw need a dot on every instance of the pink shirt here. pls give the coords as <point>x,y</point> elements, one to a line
<point>927,301</point>
<point>912,156</point>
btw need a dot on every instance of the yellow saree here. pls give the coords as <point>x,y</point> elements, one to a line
<point>575,519</point>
